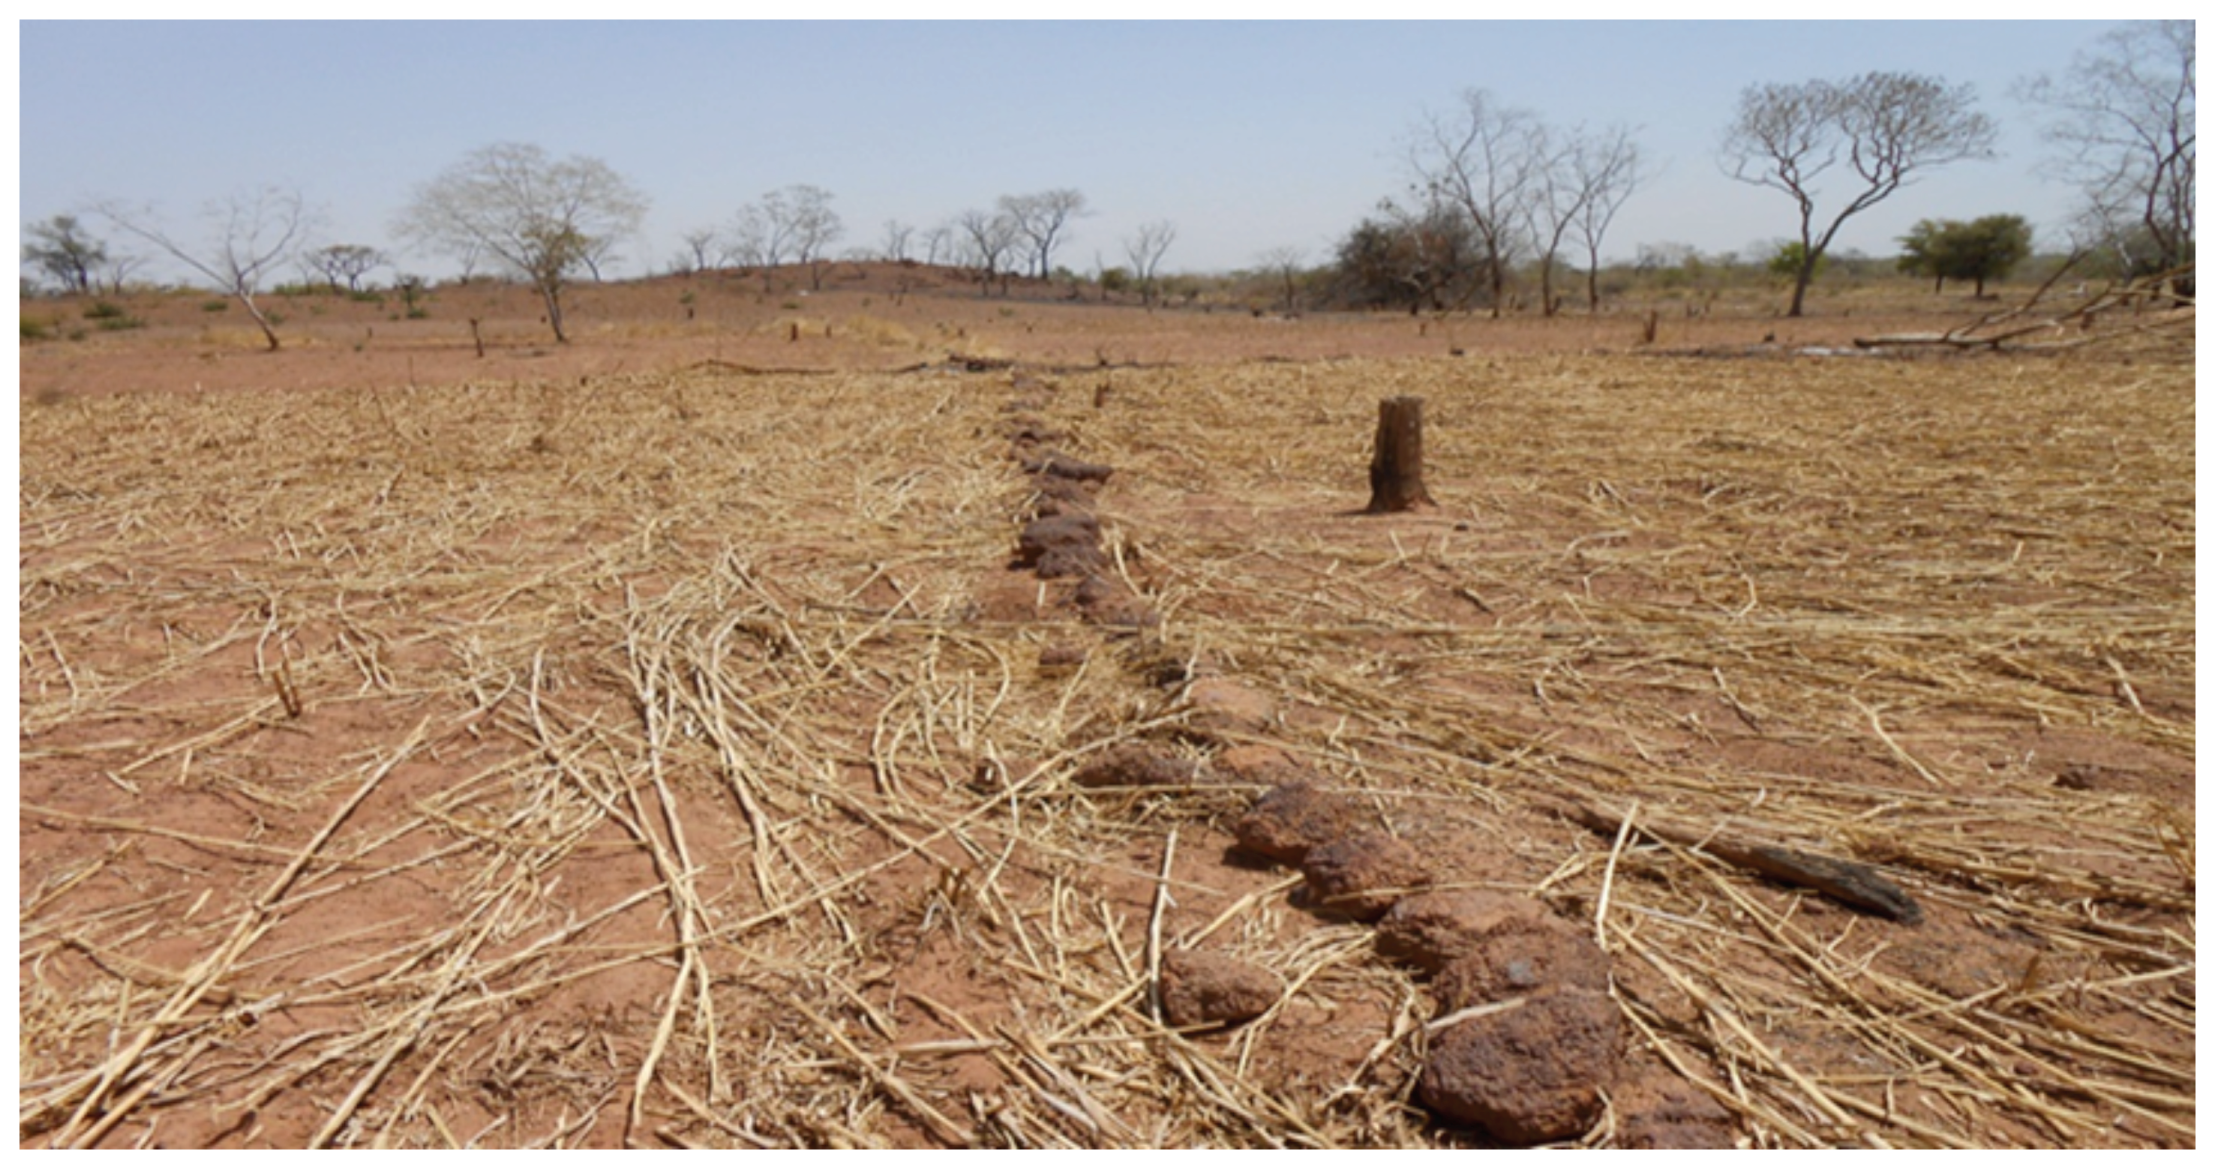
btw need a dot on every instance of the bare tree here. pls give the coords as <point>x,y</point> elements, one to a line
<point>251,234</point>
<point>540,218</point>
<point>2124,118</point>
<point>1606,167</point>
<point>345,263</point>
<point>1286,264</point>
<point>752,241</point>
<point>990,237</point>
<point>801,218</point>
<point>1145,249</point>
<point>1041,219</point>
<point>700,252</point>
<point>61,251</point>
<point>935,243</point>
<point>897,237</point>
<point>1484,159</point>
<point>1553,203</point>
<point>1889,127</point>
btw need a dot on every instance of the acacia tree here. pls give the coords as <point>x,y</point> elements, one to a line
<point>345,262</point>
<point>62,251</point>
<point>1040,219</point>
<point>251,234</point>
<point>1888,127</point>
<point>2124,118</point>
<point>1145,248</point>
<point>1483,159</point>
<point>540,218</point>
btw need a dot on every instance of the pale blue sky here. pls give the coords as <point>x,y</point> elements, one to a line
<point>1246,135</point>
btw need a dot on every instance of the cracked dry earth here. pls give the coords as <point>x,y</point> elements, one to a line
<point>686,758</point>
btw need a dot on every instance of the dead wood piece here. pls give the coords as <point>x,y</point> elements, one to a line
<point>1852,883</point>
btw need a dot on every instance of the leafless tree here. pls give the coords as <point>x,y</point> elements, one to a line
<point>1606,168</point>
<point>345,263</point>
<point>897,237</point>
<point>1888,127</point>
<point>251,235</point>
<point>935,243</point>
<point>540,218</point>
<point>1286,264</point>
<point>2124,120</point>
<point>1041,219</point>
<point>1145,248</point>
<point>1484,159</point>
<point>802,217</point>
<point>700,252</point>
<point>990,237</point>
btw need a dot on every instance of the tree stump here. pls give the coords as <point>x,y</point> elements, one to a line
<point>1398,461</point>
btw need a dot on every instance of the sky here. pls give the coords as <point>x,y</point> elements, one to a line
<point>1247,136</point>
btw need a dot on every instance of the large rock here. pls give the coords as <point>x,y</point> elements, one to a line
<point>1530,1074</point>
<point>1289,821</point>
<point>1199,987</point>
<point>1432,930</point>
<point>1522,957</point>
<point>1062,545</point>
<point>1222,707</point>
<point>1362,875</point>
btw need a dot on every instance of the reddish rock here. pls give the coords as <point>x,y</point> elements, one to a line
<point>1222,706</point>
<point>1136,764</point>
<point>1362,875</point>
<point>1665,1112</point>
<point>1529,1074</point>
<point>1107,601</point>
<point>1260,765</point>
<point>1199,987</point>
<point>1522,957</point>
<point>1437,928</point>
<point>1287,822</point>
<point>1062,655</point>
<point>1061,545</point>
<point>1058,465</point>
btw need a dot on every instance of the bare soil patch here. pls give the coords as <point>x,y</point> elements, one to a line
<point>658,741</point>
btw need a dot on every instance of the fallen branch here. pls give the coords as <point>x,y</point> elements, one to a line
<point>2111,297</point>
<point>1852,883</point>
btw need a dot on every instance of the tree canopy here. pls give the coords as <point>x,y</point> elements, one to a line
<point>1982,249</point>
<point>538,217</point>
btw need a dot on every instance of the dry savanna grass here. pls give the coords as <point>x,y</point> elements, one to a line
<point>668,758</point>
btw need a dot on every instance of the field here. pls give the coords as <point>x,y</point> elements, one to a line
<point>649,741</point>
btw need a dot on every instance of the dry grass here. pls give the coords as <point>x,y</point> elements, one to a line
<point>650,759</point>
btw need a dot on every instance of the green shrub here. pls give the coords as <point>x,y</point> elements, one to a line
<point>33,330</point>
<point>367,297</point>
<point>103,310</point>
<point>215,306</point>
<point>120,323</point>
<point>419,313</point>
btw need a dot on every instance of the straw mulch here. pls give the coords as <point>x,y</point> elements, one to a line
<point>670,760</point>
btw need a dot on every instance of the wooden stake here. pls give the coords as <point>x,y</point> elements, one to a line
<point>1398,459</point>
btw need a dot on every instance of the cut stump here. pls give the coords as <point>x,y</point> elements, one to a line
<point>1398,459</point>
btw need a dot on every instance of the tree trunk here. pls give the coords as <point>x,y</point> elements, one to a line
<point>553,296</point>
<point>1398,459</point>
<point>261,321</point>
